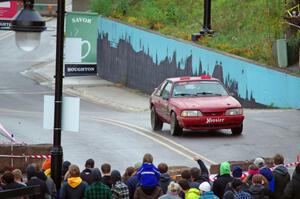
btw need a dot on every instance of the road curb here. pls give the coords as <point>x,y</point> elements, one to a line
<point>94,90</point>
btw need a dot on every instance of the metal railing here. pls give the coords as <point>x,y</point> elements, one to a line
<point>25,191</point>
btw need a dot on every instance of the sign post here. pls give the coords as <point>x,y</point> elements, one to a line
<point>81,44</point>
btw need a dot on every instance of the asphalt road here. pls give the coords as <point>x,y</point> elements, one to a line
<point>121,138</point>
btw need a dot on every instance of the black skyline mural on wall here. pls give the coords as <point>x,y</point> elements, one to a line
<point>121,64</point>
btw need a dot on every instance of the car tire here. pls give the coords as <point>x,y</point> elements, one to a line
<point>237,131</point>
<point>175,129</point>
<point>156,123</point>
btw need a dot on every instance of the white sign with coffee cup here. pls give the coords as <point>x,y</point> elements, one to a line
<point>74,49</point>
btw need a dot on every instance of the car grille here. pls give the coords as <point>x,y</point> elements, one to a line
<point>213,113</point>
<point>212,125</point>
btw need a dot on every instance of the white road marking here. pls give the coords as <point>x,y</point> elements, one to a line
<point>8,91</point>
<point>6,35</point>
<point>134,127</point>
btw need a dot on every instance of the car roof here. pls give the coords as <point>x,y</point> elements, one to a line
<point>192,78</point>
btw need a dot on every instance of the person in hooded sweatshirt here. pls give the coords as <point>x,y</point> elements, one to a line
<point>205,188</point>
<point>281,176</point>
<point>45,175</point>
<point>267,173</point>
<point>86,174</point>
<point>148,176</point>
<point>165,178</point>
<point>97,190</point>
<point>257,189</point>
<point>32,180</point>
<point>189,193</point>
<point>223,178</point>
<point>119,189</point>
<point>292,189</point>
<point>74,187</point>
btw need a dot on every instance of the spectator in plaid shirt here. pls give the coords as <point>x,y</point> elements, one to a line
<point>119,189</point>
<point>97,190</point>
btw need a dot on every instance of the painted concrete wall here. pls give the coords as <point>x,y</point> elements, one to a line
<point>142,59</point>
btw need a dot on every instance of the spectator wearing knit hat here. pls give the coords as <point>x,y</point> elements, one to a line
<point>281,176</point>
<point>119,189</point>
<point>259,162</point>
<point>205,188</point>
<point>223,178</point>
<point>292,189</point>
<point>237,173</point>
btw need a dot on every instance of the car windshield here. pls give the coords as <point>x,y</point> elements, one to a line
<point>199,88</point>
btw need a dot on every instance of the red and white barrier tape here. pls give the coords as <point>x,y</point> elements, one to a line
<point>27,156</point>
<point>40,156</point>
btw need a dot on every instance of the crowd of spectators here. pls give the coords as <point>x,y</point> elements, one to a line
<point>146,181</point>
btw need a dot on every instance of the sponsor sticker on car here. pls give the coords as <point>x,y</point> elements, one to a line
<point>214,120</point>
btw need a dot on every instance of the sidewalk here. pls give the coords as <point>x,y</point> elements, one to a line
<point>92,88</point>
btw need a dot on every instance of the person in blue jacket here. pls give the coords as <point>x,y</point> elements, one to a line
<point>148,175</point>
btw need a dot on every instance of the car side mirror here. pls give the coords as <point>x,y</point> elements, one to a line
<point>165,97</point>
<point>232,94</point>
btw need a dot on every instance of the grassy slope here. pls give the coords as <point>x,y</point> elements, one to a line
<point>243,27</point>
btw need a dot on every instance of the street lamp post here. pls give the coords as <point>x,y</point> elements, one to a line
<point>28,25</point>
<point>57,152</point>
<point>206,28</point>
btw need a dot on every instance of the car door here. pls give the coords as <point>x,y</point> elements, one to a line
<point>166,94</point>
<point>156,99</point>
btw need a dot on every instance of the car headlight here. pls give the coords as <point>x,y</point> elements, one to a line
<point>191,113</point>
<point>234,111</point>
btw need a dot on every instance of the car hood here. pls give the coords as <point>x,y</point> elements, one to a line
<point>219,103</point>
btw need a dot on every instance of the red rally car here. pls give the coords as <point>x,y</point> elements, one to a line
<point>195,103</point>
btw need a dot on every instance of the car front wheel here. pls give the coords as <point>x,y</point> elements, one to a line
<point>237,131</point>
<point>175,128</point>
<point>156,123</point>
